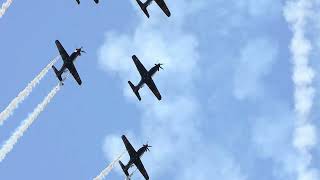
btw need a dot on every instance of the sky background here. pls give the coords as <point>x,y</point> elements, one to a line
<point>228,110</point>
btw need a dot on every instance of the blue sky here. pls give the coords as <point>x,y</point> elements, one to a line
<point>228,111</point>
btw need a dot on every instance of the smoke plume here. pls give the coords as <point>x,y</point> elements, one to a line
<point>25,93</point>
<point>4,7</point>
<point>18,133</point>
<point>297,14</point>
<point>104,173</point>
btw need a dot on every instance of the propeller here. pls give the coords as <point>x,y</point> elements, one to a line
<point>159,66</point>
<point>147,146</point>
<point>80,50</point>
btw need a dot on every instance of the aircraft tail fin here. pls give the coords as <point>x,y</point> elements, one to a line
<point>125,170</point>
<point>58,74</point>
<point>135,90</point>
<point>143,7</point>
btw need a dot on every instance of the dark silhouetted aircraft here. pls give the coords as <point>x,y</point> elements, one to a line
<point>68,63</point>
<point>134,158</point>
<point>146,78</point>
<point>97,1</point>
<point>160,3</point>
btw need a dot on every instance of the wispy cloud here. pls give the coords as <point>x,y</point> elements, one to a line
<point>255,62</point>
<point>172,126</point>
<point>240,70</point>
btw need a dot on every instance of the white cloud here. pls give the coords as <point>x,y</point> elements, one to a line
<point>255,62</point>
<point>221,167</point>
<point>173,125</point>
<point>272,136</point>
<point>263,7</point>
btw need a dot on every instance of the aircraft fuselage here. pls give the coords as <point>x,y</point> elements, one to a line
<point>148,76</point>
<point>70,60</point>
<point>140,152</point>
<point>148,2</point>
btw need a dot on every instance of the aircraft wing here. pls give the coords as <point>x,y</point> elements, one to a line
<point>74,73</point>
<point>164,7</point>
<point>132,152</point>
<point>142,70</point>
<point>141,168</point>
<point>63,53</point>
<point>153,88</point>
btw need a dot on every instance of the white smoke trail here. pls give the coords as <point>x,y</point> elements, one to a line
<point>297,13</point>
<point>25,93</point>
<point>130,175</point>
<point>9,144</point>
<point>4,7</point>
<point>108,169</point>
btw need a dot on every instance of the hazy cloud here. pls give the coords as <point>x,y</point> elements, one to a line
<point>173,125</point>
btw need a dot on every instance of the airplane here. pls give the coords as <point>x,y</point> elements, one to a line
<point>97,1</point>
<point>68,63</point>
<point>160,3</point>
<point>146,78</point>
<point>134,158</point>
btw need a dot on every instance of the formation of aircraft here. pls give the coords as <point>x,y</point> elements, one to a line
<point>68,63</point>
<point>96,1</point>
<point>146,78</point>
<point>134,158</point>
<point>160,3</point>
<point>144,6</point>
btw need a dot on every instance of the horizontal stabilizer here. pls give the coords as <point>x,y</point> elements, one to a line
<point>124,168</point>
<point>143,8</point>
<point>135,90</point>
<point>58,74</point>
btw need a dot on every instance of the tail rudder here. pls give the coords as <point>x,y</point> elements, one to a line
<point>123,167</point>
<point>58,74</point>
<point>143,8</point>
<point>135,90</point>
